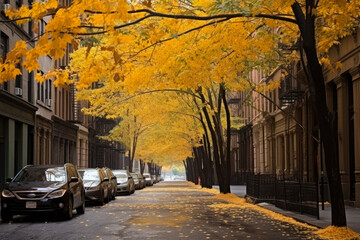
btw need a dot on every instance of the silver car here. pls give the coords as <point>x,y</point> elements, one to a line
<point>148,179</point>
<point>125,182</point>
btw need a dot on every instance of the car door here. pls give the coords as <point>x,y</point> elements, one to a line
<point>113,180</point>
<point>104,184</point>
<point>75,187</point>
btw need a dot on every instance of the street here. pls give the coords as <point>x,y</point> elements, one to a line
<point>167,210</point>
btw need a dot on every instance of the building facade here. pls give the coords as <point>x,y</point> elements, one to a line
<point>286,141</point>
<point>17,109</point>
<point>41,123</point>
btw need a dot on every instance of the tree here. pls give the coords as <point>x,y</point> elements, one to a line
<point>167,46</point>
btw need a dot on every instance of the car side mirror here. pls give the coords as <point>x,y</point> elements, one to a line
<point>74,179</point>
<point>8,180</point>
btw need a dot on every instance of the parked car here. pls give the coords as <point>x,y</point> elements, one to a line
<point>142,181</point>
<point>125,182</point>
<point>113,182</point>
<point>138,179</point>
<point>148,179</point>
<point>44,188</point>
<point>153,177</point>
<point>96,185</point>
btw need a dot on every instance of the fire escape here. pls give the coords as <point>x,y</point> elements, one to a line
<point>290,90</point>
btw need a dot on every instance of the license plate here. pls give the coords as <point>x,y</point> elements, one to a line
<point>30,204</point>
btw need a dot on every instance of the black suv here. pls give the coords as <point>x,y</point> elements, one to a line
<point>43,188</point>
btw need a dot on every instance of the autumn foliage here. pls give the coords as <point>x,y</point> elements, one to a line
<point>131,49</point>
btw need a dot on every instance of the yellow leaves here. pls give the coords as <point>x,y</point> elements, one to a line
<point>60,76</point>
<point>273,84</point>
<point>333,232</point>
<point>31,63</point>
<point>203,4</point>
<point>37,12</point>
<point>17,53</point>
<point>338,65</point>
<point>8,71</point>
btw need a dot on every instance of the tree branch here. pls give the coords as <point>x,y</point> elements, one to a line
<point>218,16</point>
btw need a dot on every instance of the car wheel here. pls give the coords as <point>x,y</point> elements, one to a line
<point>114,195</point>
<point>81,209</point>
<point>102,197</point>
<point>133,189</point>
<point>6,216</point>
<point>107,199</point>
<point>69,211</point>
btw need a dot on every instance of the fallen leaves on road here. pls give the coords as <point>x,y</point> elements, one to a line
<point>333,232</point>
<point>235,201</point>
<point>173,221</point>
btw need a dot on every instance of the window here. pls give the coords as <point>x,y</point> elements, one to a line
<point>49,93</point>
<point>19,3</point>
<point>30,30</point>
<point>56,100</point>
<point>42,26</point>
<point>38,91</point>
<point>4,45</point>
<point>44,91</point>
<point>18,79</point>
<point>4,48</point>
<point>30,86</point>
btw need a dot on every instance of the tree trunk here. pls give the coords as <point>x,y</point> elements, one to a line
<point>151,169</point>
<point>191,169</point>
<point>131,162</point>
<point>186,170</point>
<point>324,116</point>
<point>207,161</point>
<point>217,147</point>
<point>228,138</point>
<point>157,170</point>
<point>142,166</point>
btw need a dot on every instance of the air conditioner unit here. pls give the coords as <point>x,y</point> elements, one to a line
<point>6,7</point>
<point>18,91</point>
<point>48,102</point>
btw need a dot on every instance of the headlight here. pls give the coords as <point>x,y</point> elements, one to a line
<point>57,193</point>
<point>7,193</point>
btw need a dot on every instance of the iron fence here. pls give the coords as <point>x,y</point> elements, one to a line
<point>294,196</point>
<point>240,178</point>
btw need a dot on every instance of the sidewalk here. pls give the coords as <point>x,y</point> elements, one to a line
<point>352,213</point>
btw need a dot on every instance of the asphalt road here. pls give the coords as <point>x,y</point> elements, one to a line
<point>168,210</point>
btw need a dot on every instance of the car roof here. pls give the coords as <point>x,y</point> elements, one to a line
<point>86,169</point>
<point>44,166</point>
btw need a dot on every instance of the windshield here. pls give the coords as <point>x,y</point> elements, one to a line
<point>146,175</point>
<point>89,174</point>
<point>120,175</point>
<point>41,174</point>
<point>135,176</point>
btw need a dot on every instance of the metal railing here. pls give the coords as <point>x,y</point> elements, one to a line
<point>294,196</point>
